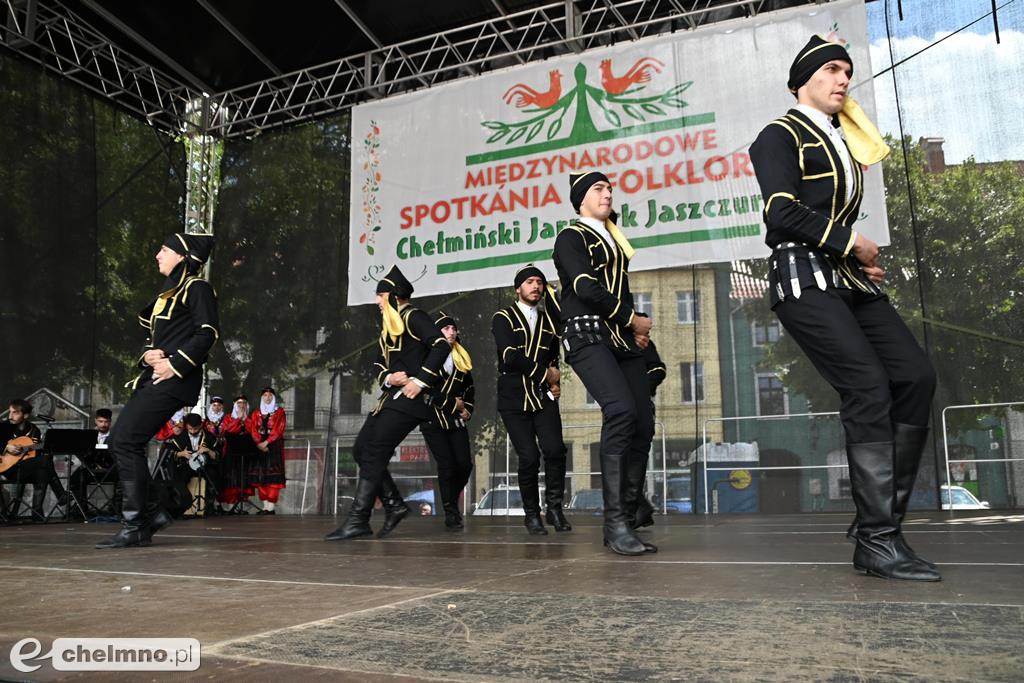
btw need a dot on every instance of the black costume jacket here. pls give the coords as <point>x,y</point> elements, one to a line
<point>596,304</point>
<point>420,353</point>
<point>524,356</point>
<point>184,324</point>
<point>806,213</point>
<point>454,386</point>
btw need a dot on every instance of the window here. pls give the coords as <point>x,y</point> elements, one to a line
<point>692,375</point>
<point>642,303</point>
<point>305,404</point>
<point>766,333</point>
<point>772,398</point>
<point>688,307</point>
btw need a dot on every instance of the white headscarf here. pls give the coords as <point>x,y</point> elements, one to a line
<point>214,416</point>
<point>237,411</point>
<point>268,408</point>
<point>179,416</point>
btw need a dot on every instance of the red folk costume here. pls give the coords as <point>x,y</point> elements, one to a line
<point>167,431</point>
<point>233,485</point>
<point>267,423</point>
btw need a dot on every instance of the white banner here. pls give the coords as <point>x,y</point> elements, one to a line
<point>462,184</point>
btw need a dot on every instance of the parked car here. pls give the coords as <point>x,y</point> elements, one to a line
<point>587,499</point>
<point>501,501</point>
<point>962,499</point>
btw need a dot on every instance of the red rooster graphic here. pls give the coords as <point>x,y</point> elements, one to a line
<point>638,73</point>
<point>524,95</point>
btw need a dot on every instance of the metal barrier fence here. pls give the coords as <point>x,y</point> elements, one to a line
<point>945,443</point>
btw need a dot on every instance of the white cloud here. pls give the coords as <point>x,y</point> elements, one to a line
<point>967,90</point>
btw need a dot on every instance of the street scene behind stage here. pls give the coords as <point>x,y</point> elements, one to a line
<point>295,379</point>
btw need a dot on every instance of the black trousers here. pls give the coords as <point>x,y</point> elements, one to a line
<point>384,432</point>
<point>527,431</point>
<point>451,451</point>
<point>861,346</point>
<point>146,411</point>
<point>618,382</point>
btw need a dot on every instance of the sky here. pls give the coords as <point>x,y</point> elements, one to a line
<point>966,89</point>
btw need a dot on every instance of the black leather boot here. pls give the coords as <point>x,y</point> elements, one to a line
<point>908,446</point>
<point>395,509</point>
<point>879,551</point>
<point>157,518</point>
<point>633,499</point>
<point>450,501</point>
<point>618,536</point>
<point>531,504</point>
<point>554,494</point>
<point>134,531</point>
<point>644,512</point>
<point>357,524</point>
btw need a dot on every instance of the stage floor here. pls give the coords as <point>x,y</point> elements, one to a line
<point>731,598</point>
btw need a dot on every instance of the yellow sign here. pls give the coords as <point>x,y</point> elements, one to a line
<point>739,479</point>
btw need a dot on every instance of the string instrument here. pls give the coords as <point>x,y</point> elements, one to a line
<point>25,449</point>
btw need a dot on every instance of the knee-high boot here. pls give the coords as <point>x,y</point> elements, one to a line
<point>554,494</point>
<point>908,446</point>
<point>531,503</point>
<point>618,536</point>
<point>357,524</point>
<point>395,508</point>
<point>879,551</point>
<point>133,519</point>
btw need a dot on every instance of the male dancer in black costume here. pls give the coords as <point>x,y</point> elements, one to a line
<point>528,390</point>
<point>183,327</point>
<point>601,334</point>
<point>413,351</point>
<point>446,432</point>
<point>824,280</point>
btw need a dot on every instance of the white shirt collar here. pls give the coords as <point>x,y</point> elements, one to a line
<point>529,311</point>
<point>599,227</point>
<point>820,118</point>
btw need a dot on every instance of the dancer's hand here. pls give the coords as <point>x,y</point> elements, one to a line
<point>865,250</point>
<point>411,390</point>
<point>874,273</point>
<point>642,340</point>
<point>397,379</point>
<point>465,415</point>
<point>162,370</point>
<point>556,390</point>
<point>553,376</point>
<point>641,325</point>
<point>152,356</point>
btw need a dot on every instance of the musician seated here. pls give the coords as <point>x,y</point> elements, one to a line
<point>196,459</point>
<point>97,466</point>
<point>23,464</point>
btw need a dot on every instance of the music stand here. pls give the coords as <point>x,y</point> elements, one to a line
<point>240,446</point>
<point>69,442</point>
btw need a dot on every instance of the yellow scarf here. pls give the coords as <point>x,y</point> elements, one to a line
<point>862,137</point>
<point>460,356</point>
<point>392,324</point>
<point>619,238</point>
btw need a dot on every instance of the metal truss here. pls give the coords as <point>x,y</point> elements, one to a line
<point>53,36</point>
<point>50,34</point>
<point>509,39</point>
<point>203,155</point>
